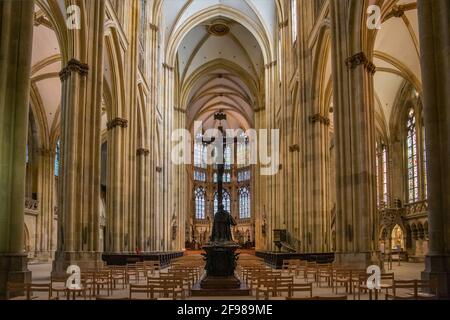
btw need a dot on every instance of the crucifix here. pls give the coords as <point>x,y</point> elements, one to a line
<point>221,231</point>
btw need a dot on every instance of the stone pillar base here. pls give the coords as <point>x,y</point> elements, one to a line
<point>437,269</point>
<point>44,256</point>
<point>360,260</point>
<point>13,268</point>
<point>84,260</point>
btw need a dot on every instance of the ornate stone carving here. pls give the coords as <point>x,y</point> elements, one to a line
<point>361,59</point>
<point>218,28</point>
<point>74,66</point>
<point>294,148</point>
<point>117,122</point>
<point>320,119</point>
<point>31,204</point>
<point>396,11</point>
<point>153,27</point>
<point>143,152</point>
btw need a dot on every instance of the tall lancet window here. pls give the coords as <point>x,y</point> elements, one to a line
<point>384,161</point>
<point>242,151</point>
<point>199,153</point>
<point>200,212</point>
<point>226,202</point>
<point>57,158</point>
<point>142,34</point>
<point>412,155</point>
<point>244,203</point>
<point>425,186</point>
<point>294,20</point>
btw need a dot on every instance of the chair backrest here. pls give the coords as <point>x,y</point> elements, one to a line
<point>41,287</point>
<point>331,298</point>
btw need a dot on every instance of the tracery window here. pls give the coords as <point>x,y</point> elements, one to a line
<point>425,186</point>
<point>244,203</point>
<point>226,202</point>
<point>243,176</point>
<point>200,196</point>
<point>200,153</point>
<point>200,176</point>
<point>412,157</point>
<point>242,151</point>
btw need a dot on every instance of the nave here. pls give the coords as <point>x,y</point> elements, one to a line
<point>296,280</point>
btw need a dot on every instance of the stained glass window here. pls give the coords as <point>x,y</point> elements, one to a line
<point>244,203</point>
<point>200,204</point>
<point>227,157</point>
<point>243,176</point>
<point>294,19</point>
<point>200,152</point>
<point>199,176</point>
<point>384,159</point>
<point>226,202</point>
<point>412,165</point>
<point>242,151</point>
<point>57,158</point>
<point>425,164</point>
<point>377,170</point>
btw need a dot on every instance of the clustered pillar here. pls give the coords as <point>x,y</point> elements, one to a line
<point>16,34</point>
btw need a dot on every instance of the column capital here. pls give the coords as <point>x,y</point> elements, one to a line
<point>168,67</point>
<point>74,65</point>
<point>360,59</point>
<point>117,122</point>
<point>143,152</point>
<point>318,118</point>
<point>283,24</point>
<point>271,64</point>
<point>154,27</point>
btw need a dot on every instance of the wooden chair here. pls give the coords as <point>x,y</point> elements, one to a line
<point>426,290</point>
<point>325,275</point>
<point>58,284</point>
<point>18,291</point>
<point>266,285</point>
<point>300,287</point>
<point>320,298</point>
<point>415,290</point>
<point>38,287</point>
<point>399,288</point>
<point>140,289</point>
<point>341,278</point>
<point>118,276</point>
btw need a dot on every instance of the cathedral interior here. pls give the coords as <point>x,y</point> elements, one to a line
<point>338,157</point>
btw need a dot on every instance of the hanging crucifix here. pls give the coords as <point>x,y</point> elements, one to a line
<point>221,231</point>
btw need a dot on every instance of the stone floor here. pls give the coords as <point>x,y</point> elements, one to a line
<point>406,271</point>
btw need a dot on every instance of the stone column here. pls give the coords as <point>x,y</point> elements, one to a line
<point>79,196</point>
<point>44,243</point>
<point>117,235</point>
<point>143,208</point>
<point>16,34</point>
<point>434,26</point>
<point>354,119</point>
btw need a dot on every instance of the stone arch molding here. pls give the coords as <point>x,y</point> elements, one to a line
<point>258,32</point>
